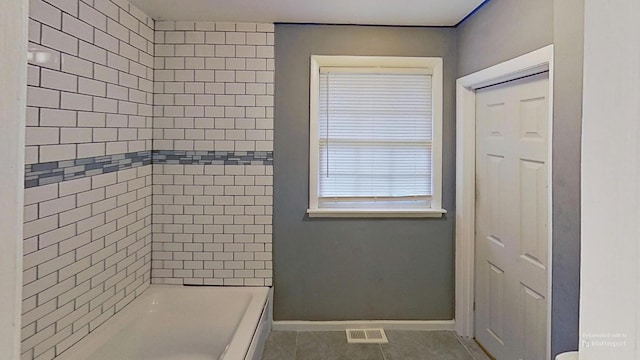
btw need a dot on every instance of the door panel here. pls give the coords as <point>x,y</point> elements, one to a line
<point>511,218</point>
<point>495,216</point>
<point>532,117</point>
<point>533,336</point>
<point>533,235</point>
<point>496,302</point>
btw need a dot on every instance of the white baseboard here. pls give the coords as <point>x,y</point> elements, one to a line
<point>442,325</point>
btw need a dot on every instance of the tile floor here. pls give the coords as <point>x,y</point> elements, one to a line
<point>403,345</point>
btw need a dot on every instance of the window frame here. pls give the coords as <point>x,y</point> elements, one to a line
<point>432,64</point>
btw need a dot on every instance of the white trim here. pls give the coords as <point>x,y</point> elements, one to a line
<point>435,65</point>
<point>550,203</point>
<point>13,95</point>
<point>314,153</point>
<point>342,61</point>
<point>528,64</point>
<point>437,94</point>
<point>377,213</point>
<point>375,70</point>
<point>430,325</point>
<point>500,78</point>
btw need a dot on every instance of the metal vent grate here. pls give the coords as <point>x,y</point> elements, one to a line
<point>366,336</point>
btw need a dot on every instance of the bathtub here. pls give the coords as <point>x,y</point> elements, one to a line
<point>169,322</point>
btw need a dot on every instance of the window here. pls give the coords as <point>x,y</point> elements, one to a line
<point>375,136</point>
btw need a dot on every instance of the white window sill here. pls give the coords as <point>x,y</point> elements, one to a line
<point>377,213</point>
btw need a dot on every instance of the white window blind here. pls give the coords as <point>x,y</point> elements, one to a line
<point>375,132</point>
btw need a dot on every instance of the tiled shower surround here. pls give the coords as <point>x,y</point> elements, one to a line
<point>108,176</point>
<point>213,153</point>
<point>88,175</point>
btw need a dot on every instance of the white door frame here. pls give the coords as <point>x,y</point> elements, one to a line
<point>528,64</point>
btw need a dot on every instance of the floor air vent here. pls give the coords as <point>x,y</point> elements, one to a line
<point>366,336</point>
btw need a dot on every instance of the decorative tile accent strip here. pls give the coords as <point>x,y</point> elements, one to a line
<point>58,171</point>
<point>181,157</point>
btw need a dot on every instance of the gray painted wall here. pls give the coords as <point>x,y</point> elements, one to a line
<point>568,37</point>
<point>355,269</point>
<point>504,29</point>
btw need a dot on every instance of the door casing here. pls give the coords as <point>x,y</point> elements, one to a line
<point>527,64</point>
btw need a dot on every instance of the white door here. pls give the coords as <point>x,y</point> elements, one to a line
<point>511,218</point>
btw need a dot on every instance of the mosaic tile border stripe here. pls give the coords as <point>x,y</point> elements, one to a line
<point>177,157</point>
<point>58,171</point>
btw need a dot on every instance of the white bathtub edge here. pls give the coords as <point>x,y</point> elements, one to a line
<point>262,331</point>
<point>243,336</point>
<point>239,345</point>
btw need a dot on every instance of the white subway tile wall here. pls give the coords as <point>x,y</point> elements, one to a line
<point>91,230</point>
<point>100,66</point>
<point>87,245</point>
<point>87,241</point>
<point>213,94</point>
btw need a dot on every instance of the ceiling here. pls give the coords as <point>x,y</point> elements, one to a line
<point>367,12</point>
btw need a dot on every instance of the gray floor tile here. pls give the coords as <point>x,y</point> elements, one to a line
<point>332,345</point>
<point>424,345</point>
<point>280,345</point>
<point>474,349</point>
